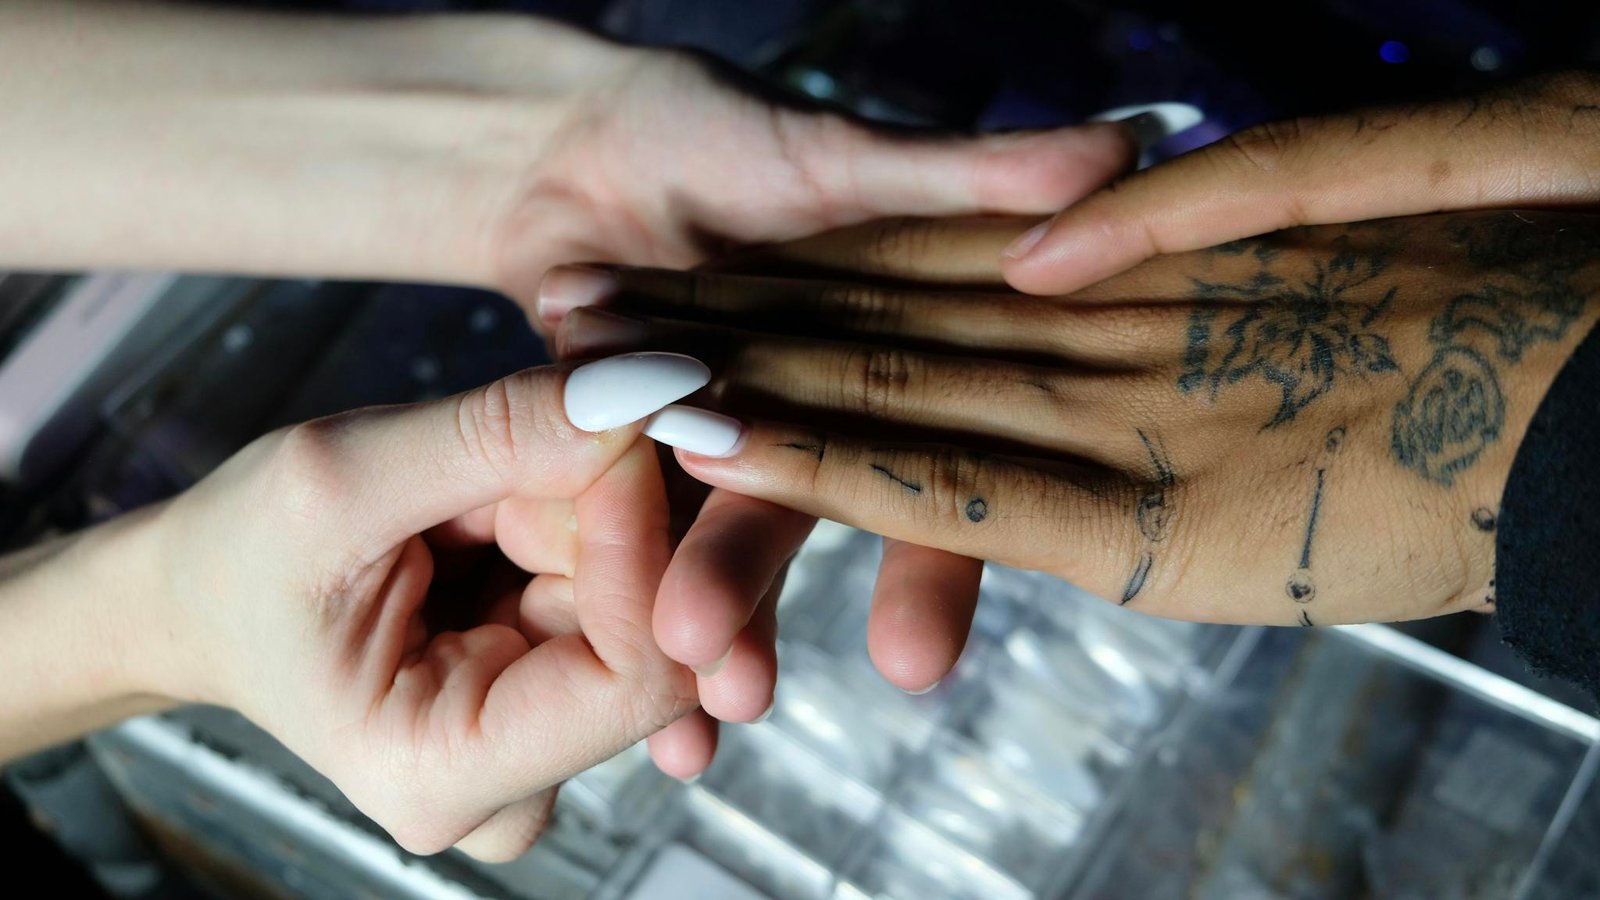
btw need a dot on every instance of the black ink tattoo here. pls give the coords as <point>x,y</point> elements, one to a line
<point>1483,519</point>
<point>977,510</point>
<point>1136,580</point>
<point>1153,512</point>
<point>1455,409</point>
<point>818,450</point>
<point>1302,338</point>
<point>911,486</point>
<point>1300,587</point>
<point>1305,620</point>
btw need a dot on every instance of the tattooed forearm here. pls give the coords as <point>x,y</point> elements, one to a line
<point>1455,408</point>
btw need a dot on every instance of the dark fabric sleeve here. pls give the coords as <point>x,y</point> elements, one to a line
<point>1547,541</point>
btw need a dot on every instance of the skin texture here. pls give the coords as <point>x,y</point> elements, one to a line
<point>467,149</point>
<point>445,608</point>
<point>1530,144</point>
<point>1311,428</point>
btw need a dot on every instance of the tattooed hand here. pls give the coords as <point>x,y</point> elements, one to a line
<point>1309,428</point>
<point>1527,144</point>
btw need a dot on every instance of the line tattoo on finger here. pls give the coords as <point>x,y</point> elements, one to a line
<point>911,487</point>
<point>1153,511</point>
<point>1300,587</point>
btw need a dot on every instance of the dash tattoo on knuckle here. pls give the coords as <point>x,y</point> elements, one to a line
<point>1300,586</point>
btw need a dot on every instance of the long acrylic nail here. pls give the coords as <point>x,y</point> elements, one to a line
<point>1030,239</point>
<point>591,332</point>
<point>696,430</point>
<point>611,392</point>
<point>565,288</point>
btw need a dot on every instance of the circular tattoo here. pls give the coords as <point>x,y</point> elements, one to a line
<point>977,509</point>
<point>1453,411</point>
<point>1334,440</point>
<point>1300,589</point>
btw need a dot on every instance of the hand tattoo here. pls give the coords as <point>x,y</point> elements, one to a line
<point>1455,409</point>
<point>1300,337</point>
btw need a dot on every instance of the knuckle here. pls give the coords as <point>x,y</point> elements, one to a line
<point>1264,149</point>
<point>491,422</point>
<point>309,478</point>
<point>861,307</point>
<point>893,243</point>
<point>879,380</point>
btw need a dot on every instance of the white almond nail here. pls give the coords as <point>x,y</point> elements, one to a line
<point>695,430</point>
<point>611,392</point>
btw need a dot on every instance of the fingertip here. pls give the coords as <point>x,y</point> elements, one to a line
<point>1046,171</point>
<point>686,748</point>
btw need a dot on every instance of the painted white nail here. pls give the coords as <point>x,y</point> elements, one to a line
<point>1153,123</point>
<point>696,430</point>
<point>622,389</point>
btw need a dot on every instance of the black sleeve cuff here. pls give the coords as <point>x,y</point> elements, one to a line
<point>1547,541</point>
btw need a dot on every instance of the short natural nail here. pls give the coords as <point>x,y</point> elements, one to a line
<point>767,714</point>
<point>1030,239</point>
<point>696,430</point>
<point>591,332</point>
<point>610,392</point>
<point>924,690</point>
<point>565,288</point>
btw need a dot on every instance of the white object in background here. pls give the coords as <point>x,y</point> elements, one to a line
<point>678,871</point>
<point>60,356</point>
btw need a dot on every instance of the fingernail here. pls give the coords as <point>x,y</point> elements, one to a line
<point>565,288</point>
<point>591,332</point>
<point>696,430</point>
<point>691,779</point>
<point>1030,239</point>
<point>774,704</point>
<point>611,392</point>
<point>711,670</point>
<point>924,690</point>
<point>1153,123</point>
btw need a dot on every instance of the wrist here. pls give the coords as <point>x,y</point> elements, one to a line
<point>260,142</point>
<point>83,636</point>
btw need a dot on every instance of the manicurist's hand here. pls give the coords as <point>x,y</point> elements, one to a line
<point>1312,428</point>
<point>462,148</point>
<point>445,608</point>
<point>1531,144</point>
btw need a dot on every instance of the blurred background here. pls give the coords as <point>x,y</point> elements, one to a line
<point>1080,750</point>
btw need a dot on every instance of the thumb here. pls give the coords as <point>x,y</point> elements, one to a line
<point>1468,154</point>
<point>860,173</point>
<point>548,433</point>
